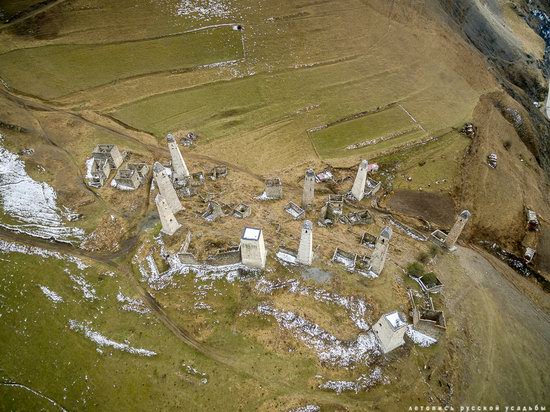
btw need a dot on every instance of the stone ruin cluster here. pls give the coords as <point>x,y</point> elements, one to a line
<point>107,158</point>
<point>177,181</point>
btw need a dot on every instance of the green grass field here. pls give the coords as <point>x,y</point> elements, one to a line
<point>65,366</point>
<point>438,161</point>
<point>57,70</point>
<point>332,141</point>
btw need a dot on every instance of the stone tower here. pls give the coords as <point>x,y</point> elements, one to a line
<point>253,248</point>
<point>309,189</point>
<point>358,189</point>
<point>389,330</point>
<point>305,250</point>
<point>179,168</point>
<point>169,223</point>
<point>165,187</point>
<point>378,258</point>
<point>456,230</point>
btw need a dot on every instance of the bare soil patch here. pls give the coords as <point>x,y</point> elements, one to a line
<point>438,208</point>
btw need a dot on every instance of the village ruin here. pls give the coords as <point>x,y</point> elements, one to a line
<point>176,181</point>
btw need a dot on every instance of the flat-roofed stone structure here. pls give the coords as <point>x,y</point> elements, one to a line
<point>253,253</point>
<point>389,330</point>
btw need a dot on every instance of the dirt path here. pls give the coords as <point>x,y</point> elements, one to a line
<point>504,339</point>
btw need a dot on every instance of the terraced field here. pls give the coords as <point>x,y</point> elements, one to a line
<point>367,135</point>
<point>61,69</point>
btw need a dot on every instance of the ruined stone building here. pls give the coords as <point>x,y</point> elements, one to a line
<point>165,187</point>
<point>378,258</point>
<point>332,210</point>
<point>179,168</point>
<point>242,211</point>
<point>456,230</point>
<point>110,153</point>
<point>218,172</point>
<point>358,189</point>
<point>305,249</point>
<point>131,176</point>
<point>99,172</point>
<point>532,220</point>
<point>253,253</point>
<point>294,210</point>
<point>389,330</point>
<point>309,189</point>
<point>169,223</point>
<point>105,158</point>
<point>274,188</point>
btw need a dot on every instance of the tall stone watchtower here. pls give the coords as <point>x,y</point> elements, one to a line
<point>456,230</point>
<point>358,189</point>
<point>389,330</point>
<point>169,223</point>
<point>305,250</point>
<point>253,248</point>
<point>179,168</point>
<point>378,258</point>
<point>165,187</point>
<point>309,189</point>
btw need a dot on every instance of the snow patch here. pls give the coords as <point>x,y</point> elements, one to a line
<point>102,341</point>
<point>205,9</point>
<point>7,247</point>
<point>419,338</point>
<point>88,290</point>
<point>363,383</point>
<point>328,348</point>
<point>33,204</point>
<point>132,305</point>
<point>50,294</point>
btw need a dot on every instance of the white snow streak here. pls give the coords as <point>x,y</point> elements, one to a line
<point>102,341</point>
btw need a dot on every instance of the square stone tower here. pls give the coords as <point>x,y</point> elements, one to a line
<point>389,330</point>
<point>179,168</point>
<point>253,252</point>
<point>456,230</point>
<point>166,188</point>
<point>309,189</point>
<point>169,223</point>
<point>358,189</point>
<point>305,250</point>
<point>378,258</point>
